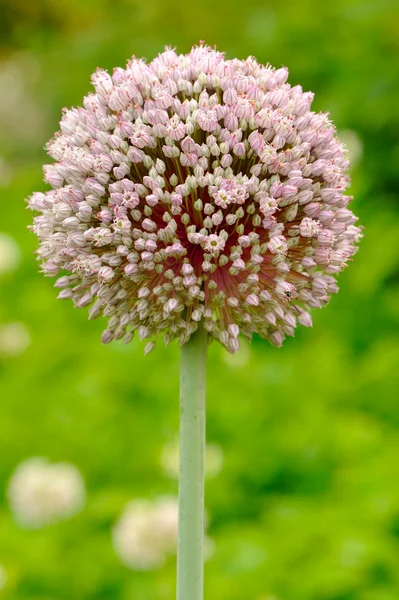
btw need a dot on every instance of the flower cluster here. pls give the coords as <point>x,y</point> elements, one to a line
<point>41,493</point>
<point>196,188</point>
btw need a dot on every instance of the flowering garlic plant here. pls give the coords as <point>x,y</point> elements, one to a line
<point>196,197</point>
<point>196,188</point>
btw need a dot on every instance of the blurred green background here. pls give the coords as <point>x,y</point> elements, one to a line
<point>306,506</point>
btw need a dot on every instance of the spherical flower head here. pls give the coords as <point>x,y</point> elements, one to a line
<point>196,188</point>
<point>41,493</point>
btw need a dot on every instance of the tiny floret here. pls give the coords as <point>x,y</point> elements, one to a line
<point>195,188</point>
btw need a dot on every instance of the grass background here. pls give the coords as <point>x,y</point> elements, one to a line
<point>307,504</point>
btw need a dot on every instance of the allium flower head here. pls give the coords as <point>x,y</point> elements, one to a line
<point>196,188</point>
<point>41,493</point>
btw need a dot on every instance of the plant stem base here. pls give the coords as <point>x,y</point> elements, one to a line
<point>190,554</point>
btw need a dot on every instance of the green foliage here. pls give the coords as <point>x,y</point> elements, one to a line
<point>307,504</point>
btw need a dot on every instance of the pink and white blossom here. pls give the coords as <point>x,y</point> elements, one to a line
<point>208,182</point>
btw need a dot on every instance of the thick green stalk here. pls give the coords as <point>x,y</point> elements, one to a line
<point>190,554</point>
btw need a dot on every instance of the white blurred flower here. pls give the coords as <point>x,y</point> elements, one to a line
<point>41,493</point>
<point>170,459</point>
<point>10,254</point>
<point>3,577</point>
<point>166,522</point>
<point>14,339</point>
<point>146,533</point>
<point>354,145</point>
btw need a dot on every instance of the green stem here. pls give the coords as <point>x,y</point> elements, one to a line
<point>190,554</point>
